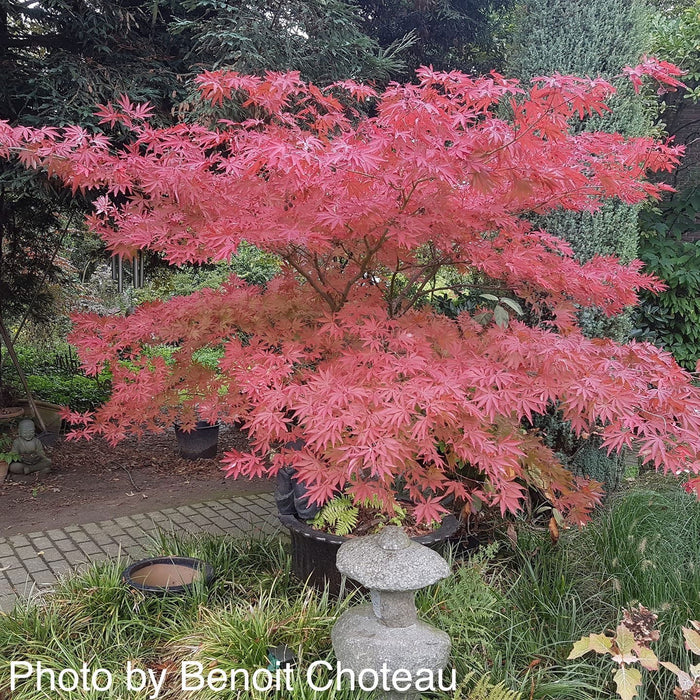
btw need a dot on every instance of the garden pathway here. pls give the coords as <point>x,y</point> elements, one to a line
<point>30,563</point>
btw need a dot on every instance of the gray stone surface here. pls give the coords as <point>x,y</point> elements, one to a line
<point>391,561</point>
<point>386,637</point>
<point>361,641</point>
<point>29,564</point>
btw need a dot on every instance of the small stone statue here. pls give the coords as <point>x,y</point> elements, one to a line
<point>33,459</point>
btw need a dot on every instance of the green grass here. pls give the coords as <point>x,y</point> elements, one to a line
<point>513,612</point>
<point>518,613</point>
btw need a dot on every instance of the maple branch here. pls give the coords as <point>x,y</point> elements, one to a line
<point>433,269</point>
<point>310,279</point>
<point>363,265</point>
<point>493,288</point>
<point>395,304</point>
<point>392,283</point>
<point>319,270</point>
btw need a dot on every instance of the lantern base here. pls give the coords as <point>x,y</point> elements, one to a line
<point>363,644</point>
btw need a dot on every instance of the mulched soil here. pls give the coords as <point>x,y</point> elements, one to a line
<point>92,481</point>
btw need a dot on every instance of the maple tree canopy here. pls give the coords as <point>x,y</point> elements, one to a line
<point>366,197</point>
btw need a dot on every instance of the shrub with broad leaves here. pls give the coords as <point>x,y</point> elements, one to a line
<point>630,645</point>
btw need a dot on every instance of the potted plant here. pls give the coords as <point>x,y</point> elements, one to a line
<point>317,532</point>
<point>6,456</point>
<point>200,442</point>
<point>368,199</point>
<point>315,541</point>
<point>196,438</point>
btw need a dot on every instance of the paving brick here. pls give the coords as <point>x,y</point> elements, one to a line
<point>125,540</point>
<point>113,549</point>
<point>34,565</point>
<point>90,548</point>
<point>18,541</point>
<point>134,553</point>
<point>44,578</point>
<point>80,536</point>
<point>140,517</point>
<point>207,510</point>
<point>113,530</point>
<point>66,545</point>
<point>7,603</point>
<point>244,517</point>
<point>125,522</point>
<point>75,557</point>
<point>17,577</point>
<point>242,500</point>
<point>237,532</point>
<point>25,552</point>
<point>221,522</point>
<point>11,562</point>
<point>51,554</point>
<point>5,549</point>
<point>56,534</point>
<point>41,542</point>
<point>60,567</point>
<point>179,518</point>
<point>102,539</point>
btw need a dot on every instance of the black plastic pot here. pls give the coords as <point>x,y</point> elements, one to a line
<point>167,575</point>
<point>314,552</point>
<point>199,443</point>
<point>48,439</point>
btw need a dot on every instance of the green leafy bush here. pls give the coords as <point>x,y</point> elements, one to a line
<point>53,376</point>
<point>77,392</point>
<point>671,319</point>
<point>250,264</point>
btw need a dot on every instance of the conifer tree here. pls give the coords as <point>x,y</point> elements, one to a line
<point>595,38</point>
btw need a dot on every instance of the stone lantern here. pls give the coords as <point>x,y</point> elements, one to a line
<point>386,636</point>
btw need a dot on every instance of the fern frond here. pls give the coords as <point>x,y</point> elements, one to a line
<point>339,515</point>
<point>484,689</point>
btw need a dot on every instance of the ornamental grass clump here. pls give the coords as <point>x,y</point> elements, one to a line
<point>366,197</point>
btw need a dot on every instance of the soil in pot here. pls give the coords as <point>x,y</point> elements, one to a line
<point>167,574</point>
<point>10,412</point>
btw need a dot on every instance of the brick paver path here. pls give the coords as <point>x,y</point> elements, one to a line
<point>30,563</point>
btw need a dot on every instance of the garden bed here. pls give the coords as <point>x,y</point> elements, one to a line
<point>513,611</point>
<point>92,481</point>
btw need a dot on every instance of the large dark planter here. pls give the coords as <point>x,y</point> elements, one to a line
<point>314,552</point>
<point>200,443</point>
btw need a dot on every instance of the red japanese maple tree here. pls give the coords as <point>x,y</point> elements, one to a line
<point>365,198</point>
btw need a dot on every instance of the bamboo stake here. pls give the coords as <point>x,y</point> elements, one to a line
<point>15,361</point>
